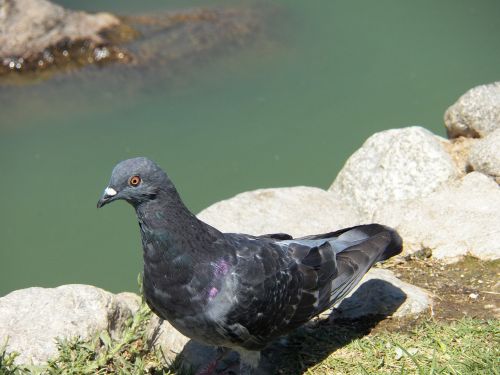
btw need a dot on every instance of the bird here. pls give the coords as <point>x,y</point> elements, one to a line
<point>233,290</point>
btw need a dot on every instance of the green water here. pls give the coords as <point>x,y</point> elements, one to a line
<point>283,112</point>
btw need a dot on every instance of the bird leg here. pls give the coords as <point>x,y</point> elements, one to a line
<point>249,361</point>
<point>211,367</point>
<point>246,369</point>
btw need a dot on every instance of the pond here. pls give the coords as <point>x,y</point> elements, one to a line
<point>285,110</point>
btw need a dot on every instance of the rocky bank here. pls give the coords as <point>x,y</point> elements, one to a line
<point>442,195</point>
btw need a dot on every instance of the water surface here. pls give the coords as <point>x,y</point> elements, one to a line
<point>284,111</point>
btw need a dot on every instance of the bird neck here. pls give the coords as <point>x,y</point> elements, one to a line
<point>169,229</point>
<point>175,246</point>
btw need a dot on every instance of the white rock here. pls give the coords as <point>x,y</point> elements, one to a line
<point>400,353</point>
<point>459,150</point>
<point>473,296</point>
<point>393,165</point>
<point>484,156</point>
<point>476,113</point>
<point>31,319</point>
<point>297,211</point>
<point>462,217</point>
<point>380,292</point>
<point>162,334</point>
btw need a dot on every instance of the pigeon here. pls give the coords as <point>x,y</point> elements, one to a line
<point>231,290</point>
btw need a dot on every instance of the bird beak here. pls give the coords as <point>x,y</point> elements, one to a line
<point>108,196</point>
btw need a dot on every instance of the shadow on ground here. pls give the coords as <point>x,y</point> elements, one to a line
<point>308,345</point>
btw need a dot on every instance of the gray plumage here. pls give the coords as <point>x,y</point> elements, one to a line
<point>237,290</point>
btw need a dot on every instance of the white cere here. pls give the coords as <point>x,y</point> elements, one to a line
<point>110,191</point>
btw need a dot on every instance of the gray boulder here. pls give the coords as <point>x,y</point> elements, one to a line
<point>476,113</point>
<point>393,165</point>
<point>461,218</point>
<point>484,156</point>
<point>380,292</point>
<point>28,27</point>
<point>297,211</point>
<point>31,319</point>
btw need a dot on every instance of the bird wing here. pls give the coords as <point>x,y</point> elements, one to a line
<point>283,283</point>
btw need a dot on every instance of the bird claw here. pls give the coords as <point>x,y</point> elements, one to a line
<point>211,367</point>
<point>208,369</point>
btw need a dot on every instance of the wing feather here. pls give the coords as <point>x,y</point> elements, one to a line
<point>284,282</point>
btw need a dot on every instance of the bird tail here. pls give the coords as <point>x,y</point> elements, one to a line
<point>360,248</point>
<point>356,250</point>
<point>379,239</point>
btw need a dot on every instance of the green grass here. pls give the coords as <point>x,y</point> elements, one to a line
<point>465,346</point>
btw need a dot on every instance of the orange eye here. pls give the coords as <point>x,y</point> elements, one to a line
<point>134,181</point>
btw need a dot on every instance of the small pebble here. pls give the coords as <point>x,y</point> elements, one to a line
<point>400,353</point>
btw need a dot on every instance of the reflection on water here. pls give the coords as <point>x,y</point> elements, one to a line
<point>286,110</point>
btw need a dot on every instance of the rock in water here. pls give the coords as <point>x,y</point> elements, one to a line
<point>37,35</point>
<point>237,290</point>
<point>30,27</point>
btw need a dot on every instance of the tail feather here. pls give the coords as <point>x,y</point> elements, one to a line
<point>371,243</point>
<point>345,238</point>
<point>357,249</point>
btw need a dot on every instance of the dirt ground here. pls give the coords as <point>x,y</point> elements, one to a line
<point>468,288</point>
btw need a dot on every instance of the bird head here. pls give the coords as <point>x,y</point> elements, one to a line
<point>135,180</point>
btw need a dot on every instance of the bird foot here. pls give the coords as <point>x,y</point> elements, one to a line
<point>208,369</point>
<point>212,369</point>
<point>213,366</point>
